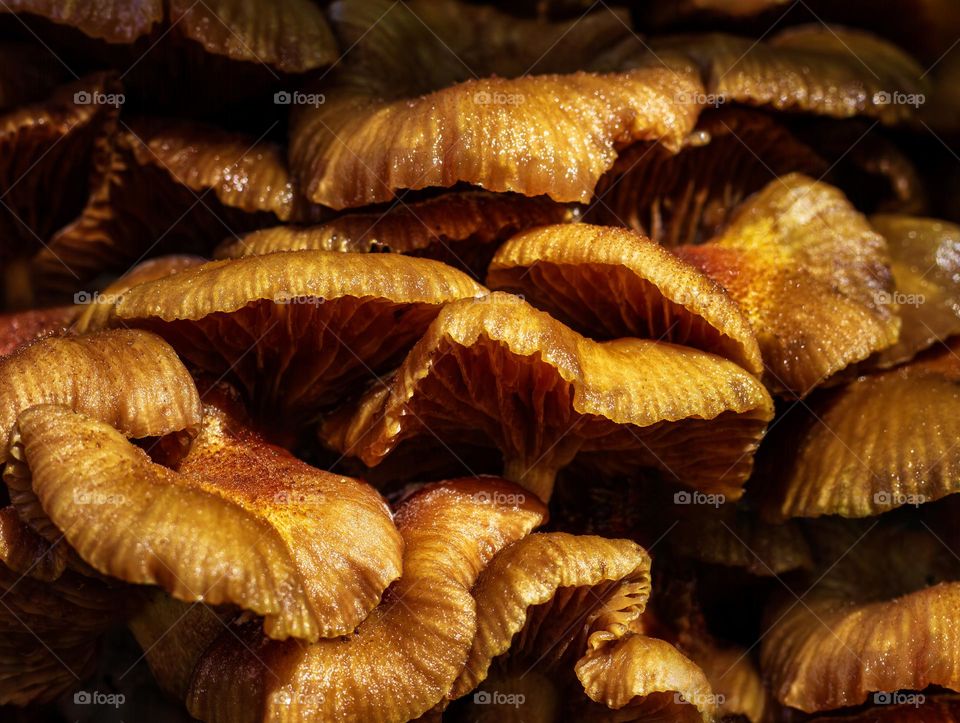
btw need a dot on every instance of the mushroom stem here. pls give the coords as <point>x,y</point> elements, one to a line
<point>539,475</point>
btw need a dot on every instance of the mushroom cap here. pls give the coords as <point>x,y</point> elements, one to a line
<point>815,68</point>
<point>461,229</point>
<point>309,550</point>
<point>925,261</point>
<point>810,274</point>
<point>129,379</point>
<point>115,21</point>
<point>883,441</point>
<point>498,371</point>
<point>318,321</point>
<point>688,197</point>
<point>410,648</point>
<point>291,36</point>
<point>395,120</point>
<point>607,283</point>
<point>864,627</point>
<point>26,552</point>
<point>96,316</point>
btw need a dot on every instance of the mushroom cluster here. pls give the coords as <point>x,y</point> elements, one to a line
<point>462,360</point>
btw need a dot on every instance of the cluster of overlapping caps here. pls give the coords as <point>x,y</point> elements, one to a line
<point>610,254</point>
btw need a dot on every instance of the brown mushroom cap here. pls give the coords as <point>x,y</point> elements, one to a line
<point>310,550</point>
<point>96,315</point>
<point>883,441</point>
<point>410,648</point>
<point>498,371</point>
<point>395,120</point>
<point>810,274</point>
<point>116,21</point>
<point>26,552</point>
<point>814,68</point>
<point>170,186</point>
<point>607,283</point>
<point>296,328</point>
<point>925,261</point>
<point>866,626</point>
<point>129,379</point>
<point>461,229</point>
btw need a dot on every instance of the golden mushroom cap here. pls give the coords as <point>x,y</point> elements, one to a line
<point>607,283</point>
<point>848,454</point>
<point>394,120</point>
<point>409,649</point>
<point>925,261</point>
<point>815,68</point>
<point>812,277</point>
<point>116,21</point>
<point>309,550</point>
<point>487,369</point>
<point>316,321</point>
<point>864,627</point>
<point>129,379</point>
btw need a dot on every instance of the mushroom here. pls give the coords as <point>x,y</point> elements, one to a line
<point>496,371</point>
<point>863,627</point>
<point>296,329</point>
<point>409,650</point>
<point>687,197</point>
<point>170,186</point>
<point>395,120</point>
<point>812,277</point>
<point>129,379</point>
<point>460,229</point>
<point>309,550</point>
<point>564,610</point>
<point>883,441</point>
<point>837,72</point>
<point>607,283</point>
<point>21,327</point>
<point>925,261</point>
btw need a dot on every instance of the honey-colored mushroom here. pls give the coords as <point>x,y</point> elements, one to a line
<point>394,120</point>
<point>812,277</point>
<point>497,372</point>
<point>607,283</point>
<point>296,329</point>
<point>409,649</point>
<point>309,550</point>
<point>21,327</point>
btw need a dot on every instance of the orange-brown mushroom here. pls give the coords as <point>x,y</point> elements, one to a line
<point>497,372</point>
<point>607,283</point>
<point>883,441</point>
<point>880,615</point>
<point>296,329</point>
<point>21,327</point>
<point>812,277</point>
<point>395,120</point>
<point>309,550</point>
<point>409,649</point>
